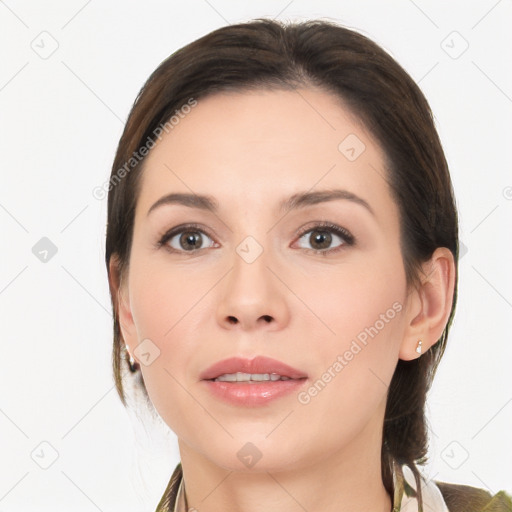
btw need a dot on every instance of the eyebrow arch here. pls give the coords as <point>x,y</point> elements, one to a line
<point>191,200</point>
<point>296,201</point>
<point>304,199</point>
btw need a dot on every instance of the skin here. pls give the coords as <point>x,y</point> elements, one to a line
<point>250,150</point>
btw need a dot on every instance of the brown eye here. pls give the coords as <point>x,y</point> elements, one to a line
<point>186,240</point>
<point>190,240</point>
<point>322,237</point>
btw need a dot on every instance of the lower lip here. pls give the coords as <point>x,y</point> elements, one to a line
<point>255,393</point>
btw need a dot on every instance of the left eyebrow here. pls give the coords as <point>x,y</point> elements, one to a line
<point>304,199</point>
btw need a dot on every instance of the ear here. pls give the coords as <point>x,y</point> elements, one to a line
<point>429,304</point>
<point>120,295</point>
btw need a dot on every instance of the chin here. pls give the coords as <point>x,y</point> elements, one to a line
<point>254,456</point>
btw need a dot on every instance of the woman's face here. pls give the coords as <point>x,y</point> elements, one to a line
<point>338,315</point>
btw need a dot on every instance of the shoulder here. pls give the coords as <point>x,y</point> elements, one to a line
<point>446,497</point>
<point>464,498</point>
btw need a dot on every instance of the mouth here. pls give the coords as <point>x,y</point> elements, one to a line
<point>260,369</point>
<point>258,382</point>
<point>251,377</point>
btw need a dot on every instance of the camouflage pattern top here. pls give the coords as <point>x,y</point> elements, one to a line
<point>436,496</point>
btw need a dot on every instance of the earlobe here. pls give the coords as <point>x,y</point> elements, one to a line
<point>429,305</point>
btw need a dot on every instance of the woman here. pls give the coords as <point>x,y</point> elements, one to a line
<point>282,249</point>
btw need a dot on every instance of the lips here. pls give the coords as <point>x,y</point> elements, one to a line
<point>258,365</point>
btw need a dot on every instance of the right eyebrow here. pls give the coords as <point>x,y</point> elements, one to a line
<point>191,200</point>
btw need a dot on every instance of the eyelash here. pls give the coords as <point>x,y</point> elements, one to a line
<point>345,235</point>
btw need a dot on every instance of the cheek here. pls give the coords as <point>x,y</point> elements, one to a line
<point>355,365</point>
<point>351,301</point>
<point>163,298</point>
<point>359,324</point>
<point>168,305</point>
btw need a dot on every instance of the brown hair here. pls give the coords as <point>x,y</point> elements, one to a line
<point>267,54</point>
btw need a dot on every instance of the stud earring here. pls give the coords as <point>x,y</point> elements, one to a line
<point>131,361</point>
<point>418,347</point>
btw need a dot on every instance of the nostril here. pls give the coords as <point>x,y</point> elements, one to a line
<point>267,318</point>
<point>232,320</point>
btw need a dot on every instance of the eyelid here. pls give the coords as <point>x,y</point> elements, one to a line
<point>328,226</point>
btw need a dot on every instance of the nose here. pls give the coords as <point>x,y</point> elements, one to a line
<point>252,296</point>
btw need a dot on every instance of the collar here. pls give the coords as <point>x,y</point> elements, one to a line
<point>406,495</point>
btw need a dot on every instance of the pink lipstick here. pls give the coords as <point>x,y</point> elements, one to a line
<point>246,382</point>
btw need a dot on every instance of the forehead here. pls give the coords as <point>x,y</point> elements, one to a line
<point>264,145</point>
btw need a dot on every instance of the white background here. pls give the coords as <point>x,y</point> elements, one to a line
<point>61,116</point>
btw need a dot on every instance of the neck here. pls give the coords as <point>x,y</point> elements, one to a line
<point>348,479</point>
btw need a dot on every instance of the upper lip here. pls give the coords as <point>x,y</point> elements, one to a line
<point>259,364</point>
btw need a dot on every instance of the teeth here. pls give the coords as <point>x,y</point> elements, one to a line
<point>246,377</point>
